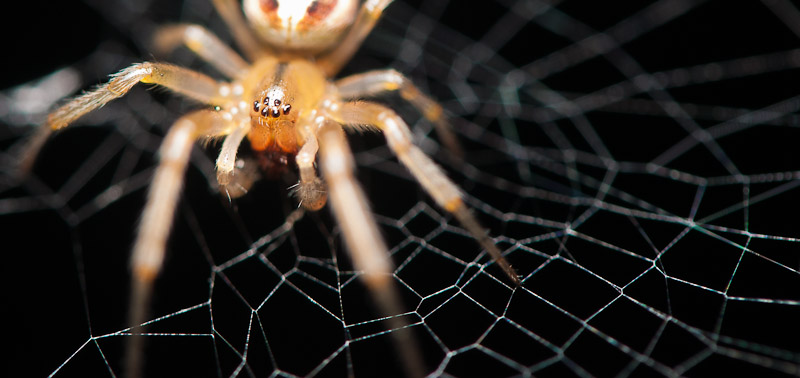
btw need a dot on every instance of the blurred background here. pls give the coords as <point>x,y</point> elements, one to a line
<point>636,163</point>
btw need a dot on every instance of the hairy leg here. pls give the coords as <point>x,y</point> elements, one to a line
<point>226,161</point>
<point>425,171</point>
<point>368,16</point>
<point>310,190</point>
<point>181,80</point>
<point>374,83</point>
<point>231,13</point>
<point>363,241</point>
<point>203,43</point>
<point>150,246</point>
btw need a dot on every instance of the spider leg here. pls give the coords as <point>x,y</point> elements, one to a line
<point>203,43</point>
<point>427,173</point>
<point>374,83</point>
<point>236,185</point>
<point>233,185</point>
<point>189,83</point>
<point>360,232</point>
<point>149,248</point>
<point>181,80</point>
<point>333,61</point>
<point>310,190</point>
<point>230,12</point>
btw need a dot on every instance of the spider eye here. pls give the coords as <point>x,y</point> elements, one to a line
<point>311,25</point>
<point>272,103</point>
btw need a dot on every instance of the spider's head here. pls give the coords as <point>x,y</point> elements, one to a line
<point>307,25</point>
<point>272,122</point>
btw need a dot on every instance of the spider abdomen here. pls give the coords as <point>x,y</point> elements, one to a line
<point>307,25</point>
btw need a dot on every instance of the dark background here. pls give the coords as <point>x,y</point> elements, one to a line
<point>53,262</point>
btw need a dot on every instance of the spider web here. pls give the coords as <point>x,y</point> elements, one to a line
<point>636,162</point>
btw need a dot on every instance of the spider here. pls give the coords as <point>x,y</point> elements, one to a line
<point>283,98</point>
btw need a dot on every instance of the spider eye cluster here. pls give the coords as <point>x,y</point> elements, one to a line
<point>274,108</point>
<point>308,25</point>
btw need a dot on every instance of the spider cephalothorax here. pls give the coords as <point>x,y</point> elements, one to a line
<point>285,101</point>
<point>272,122</point>
<point>286,94</point>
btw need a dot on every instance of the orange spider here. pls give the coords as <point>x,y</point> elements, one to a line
<point>284,101</point>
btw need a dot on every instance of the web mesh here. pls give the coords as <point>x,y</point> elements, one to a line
<point>636,162</point>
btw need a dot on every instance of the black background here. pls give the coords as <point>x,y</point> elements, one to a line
<point>48,326</point>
